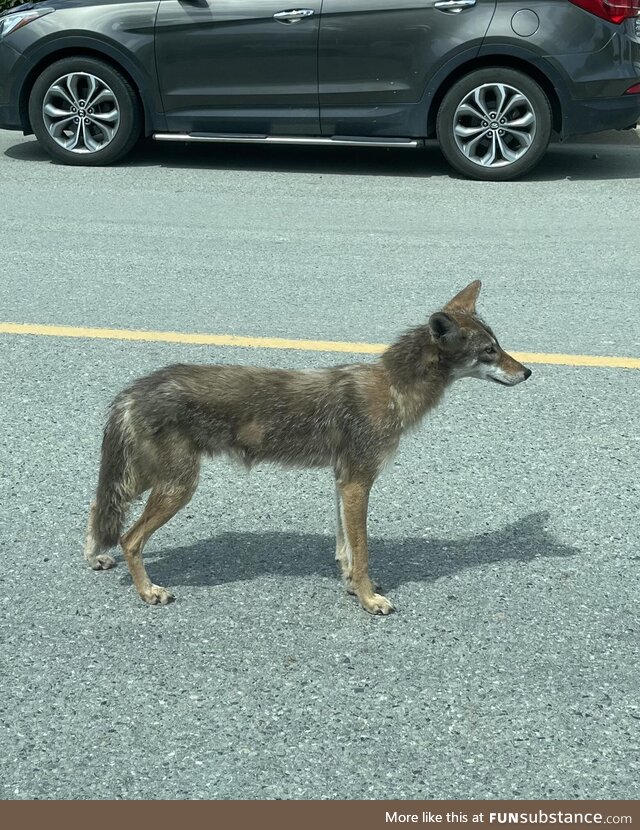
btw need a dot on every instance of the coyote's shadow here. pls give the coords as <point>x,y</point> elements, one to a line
<point>234,557</point>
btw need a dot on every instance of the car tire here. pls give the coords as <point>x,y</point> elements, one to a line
<point>513,136</point>
<point>84,135</point>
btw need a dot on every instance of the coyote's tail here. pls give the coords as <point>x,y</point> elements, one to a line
<point>116,482</point>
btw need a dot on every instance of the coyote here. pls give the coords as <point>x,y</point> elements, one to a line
<point>349,418</point>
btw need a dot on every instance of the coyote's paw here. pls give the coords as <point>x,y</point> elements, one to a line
<point>350,588</point>
<point>155,595</point>
<point>102,562</point>
<point>376,604</point>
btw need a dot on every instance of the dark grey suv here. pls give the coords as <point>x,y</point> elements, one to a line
<point>491,79</point>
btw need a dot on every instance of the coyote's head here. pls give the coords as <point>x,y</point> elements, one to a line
<point>468,347</point>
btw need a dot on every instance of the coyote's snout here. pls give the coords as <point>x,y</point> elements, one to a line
<point>349,418</point>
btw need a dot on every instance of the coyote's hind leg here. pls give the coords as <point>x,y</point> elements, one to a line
<point>163,503</point>
<point>98,560</point>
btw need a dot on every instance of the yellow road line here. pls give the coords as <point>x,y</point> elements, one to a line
<point>578,360</point>
<point>282,343</point>
<point>197,339</point>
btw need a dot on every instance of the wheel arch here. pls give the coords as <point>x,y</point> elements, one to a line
<point>503,61</point>
<point>97,52</point>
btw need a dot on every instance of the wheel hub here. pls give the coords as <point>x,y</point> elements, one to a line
<point>81,112</point>
<point>494,125</point>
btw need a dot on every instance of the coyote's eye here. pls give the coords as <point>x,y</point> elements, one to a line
<point>490,350</point>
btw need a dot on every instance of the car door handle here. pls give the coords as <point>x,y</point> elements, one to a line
<point>454,6</point>
<point>293,15</point>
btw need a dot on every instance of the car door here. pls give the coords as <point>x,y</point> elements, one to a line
<point>239,66</point>
<point>376,58</point>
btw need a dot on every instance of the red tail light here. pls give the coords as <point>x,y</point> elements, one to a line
<point>633,90</point>
<point>614,11</point>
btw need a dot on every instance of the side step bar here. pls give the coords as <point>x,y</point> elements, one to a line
<point>335,141</point>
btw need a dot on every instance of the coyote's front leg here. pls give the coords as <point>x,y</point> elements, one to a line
<point>343,549</point>
<point>354,498</point>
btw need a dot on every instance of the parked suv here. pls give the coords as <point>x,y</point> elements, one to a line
<point>491,79</point>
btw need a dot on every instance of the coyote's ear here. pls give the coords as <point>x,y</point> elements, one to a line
<point>442,327</point>
<point>466,299</point>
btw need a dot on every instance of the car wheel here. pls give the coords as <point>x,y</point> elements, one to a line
<point>84,112</point>
<point>494,124</point>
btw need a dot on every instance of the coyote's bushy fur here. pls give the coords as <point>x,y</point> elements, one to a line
<point>349,418</point>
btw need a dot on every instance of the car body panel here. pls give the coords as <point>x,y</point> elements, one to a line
<point>581,32</point>
<point>228,65</point>
<point>376,59</point>
<point>589,71</point>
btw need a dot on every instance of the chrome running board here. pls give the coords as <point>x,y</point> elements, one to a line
<point>335,141</point>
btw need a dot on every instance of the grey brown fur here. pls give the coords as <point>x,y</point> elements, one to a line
<point>349,418</point>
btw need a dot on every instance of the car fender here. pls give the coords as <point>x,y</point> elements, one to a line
<point>44,52</point>
<point>476,59</point>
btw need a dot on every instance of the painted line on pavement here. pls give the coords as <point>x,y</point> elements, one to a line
<point>88,333</point>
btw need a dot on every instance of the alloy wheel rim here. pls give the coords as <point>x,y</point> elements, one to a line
<point>81,112</point>
<point>494,125</point>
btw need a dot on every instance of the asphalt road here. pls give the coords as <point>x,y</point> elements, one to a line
<point>505,532</point>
